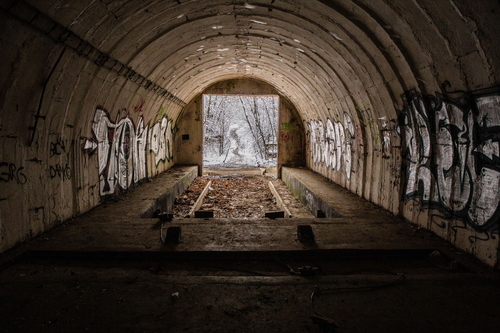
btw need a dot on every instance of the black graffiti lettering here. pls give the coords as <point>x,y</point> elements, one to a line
<point>58,147</point>
<point>3,173</point>
<point>453,144</point>
<point>20,177</point>
<point>58,170</point>
<point>10,172</point>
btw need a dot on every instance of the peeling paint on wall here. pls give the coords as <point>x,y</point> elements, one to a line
<point>387,129</point>
<point>309,198</point>
<point>331,144</point>
<point>451,149</point>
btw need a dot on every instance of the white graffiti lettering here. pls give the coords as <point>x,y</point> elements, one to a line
<point>331,144</point>
<point>121,151</point>
<point>161,140</point>
<point>454,144</point>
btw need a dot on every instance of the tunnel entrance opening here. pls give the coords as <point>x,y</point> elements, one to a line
<point>240,131</point>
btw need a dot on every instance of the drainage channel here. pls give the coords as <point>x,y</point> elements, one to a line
<point>237,196</point>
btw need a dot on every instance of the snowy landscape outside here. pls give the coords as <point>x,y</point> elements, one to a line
<point>240,131</point>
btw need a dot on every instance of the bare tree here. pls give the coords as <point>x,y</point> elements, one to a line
<point>252,125</point>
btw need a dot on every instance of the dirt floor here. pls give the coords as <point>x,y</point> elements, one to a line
<point>230,292</point>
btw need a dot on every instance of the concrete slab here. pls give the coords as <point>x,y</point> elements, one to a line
<point>69,295</point>
<point>317,193</point>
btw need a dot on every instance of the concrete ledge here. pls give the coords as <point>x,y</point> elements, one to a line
<point>168,186</point>
<point>310,189</point>
<point>144,200</point>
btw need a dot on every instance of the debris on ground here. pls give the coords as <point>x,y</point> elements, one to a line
<point>238,195</point>
<point>230,196</point>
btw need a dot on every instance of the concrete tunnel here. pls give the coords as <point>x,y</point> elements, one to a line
<point>396,101</point>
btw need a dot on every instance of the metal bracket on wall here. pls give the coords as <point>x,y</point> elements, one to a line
<point>39,109</point>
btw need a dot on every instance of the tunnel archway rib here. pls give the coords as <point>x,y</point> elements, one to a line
<point>177,13</point>
<point>224,37</point>
<point>201,10</point>
<point>220,18</point>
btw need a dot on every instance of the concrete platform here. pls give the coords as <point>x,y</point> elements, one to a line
<point>318,194</point>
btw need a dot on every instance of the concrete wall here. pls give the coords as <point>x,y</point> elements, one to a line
<point>442,155</point>
<point>415,133</point>
<point>451,167</point>
<point>291,137</point>
<point>188,138</point>
<point>71,133</point>
<point>189,127</point>
<point>431,154</point>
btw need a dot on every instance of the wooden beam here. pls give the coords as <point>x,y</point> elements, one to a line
<point>279,202</point>
<point>199,201</point>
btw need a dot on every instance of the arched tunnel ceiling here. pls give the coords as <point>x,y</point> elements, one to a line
<point>325,56</point>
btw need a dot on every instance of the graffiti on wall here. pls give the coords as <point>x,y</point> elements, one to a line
<point>454,144</point>
<point>161,140</point>
<point>121,151</point>
<point>331,143</point>
<point>122,147</point>
<point>63,171</point>
<point>57,147</point>
<point>10,172</point>
<point>386,129</point>
<point>59,150</point>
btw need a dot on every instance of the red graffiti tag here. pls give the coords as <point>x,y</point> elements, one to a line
<point>139,107</point>
<point>285,137</point>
